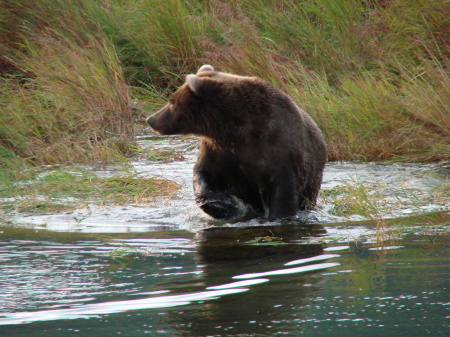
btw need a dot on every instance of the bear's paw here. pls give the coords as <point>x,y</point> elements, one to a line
<point>224,208</point>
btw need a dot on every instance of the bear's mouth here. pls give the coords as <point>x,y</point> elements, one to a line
<point>160,127</point>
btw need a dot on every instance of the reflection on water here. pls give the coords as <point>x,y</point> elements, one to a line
<point>249,281</point>
<point>96,309</point>
<point>36,272</point>
<point>155,277</point>
<point>256,242</point>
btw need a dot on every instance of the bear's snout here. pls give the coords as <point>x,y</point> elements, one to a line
<point>153,121</point>
<point>149,120</point>
<point>163,122</point>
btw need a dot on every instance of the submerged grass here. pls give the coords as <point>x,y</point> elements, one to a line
<point>382,201</point>
<point>64,190</point>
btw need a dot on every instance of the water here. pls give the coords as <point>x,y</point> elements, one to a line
<point>259,281</point>
<point>399,190</point>
<point>166,269</point>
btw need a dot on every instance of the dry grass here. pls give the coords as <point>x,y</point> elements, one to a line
<point>373,74</point>
<point>70,101</point>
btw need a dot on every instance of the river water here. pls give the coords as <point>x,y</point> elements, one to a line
<point>167,270</point>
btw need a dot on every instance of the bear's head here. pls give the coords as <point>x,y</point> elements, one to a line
<point>186,108</point>
<point>207,104</point>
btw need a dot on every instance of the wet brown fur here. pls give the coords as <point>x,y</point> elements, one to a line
<point>256,145</point>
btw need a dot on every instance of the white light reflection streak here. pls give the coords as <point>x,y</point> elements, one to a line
<point>289,270</point>
<point>96,309</point>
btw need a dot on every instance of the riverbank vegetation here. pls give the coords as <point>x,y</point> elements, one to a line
<point>78,77</point>
<point>64,190</point>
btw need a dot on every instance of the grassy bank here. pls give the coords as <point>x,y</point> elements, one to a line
<point>374,74</point>
<point>63,97</point>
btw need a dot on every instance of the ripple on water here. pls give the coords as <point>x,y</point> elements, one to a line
<point>411,187</point>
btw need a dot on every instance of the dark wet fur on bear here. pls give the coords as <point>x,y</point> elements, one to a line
<point>257,145</point>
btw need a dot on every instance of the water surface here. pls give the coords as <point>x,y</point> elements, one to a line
<point>257,281</point>
<point>166,269</point>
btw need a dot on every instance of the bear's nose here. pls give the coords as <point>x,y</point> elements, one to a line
<point>148,120</point>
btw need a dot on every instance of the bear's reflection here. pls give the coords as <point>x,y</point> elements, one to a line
<point>246,244</point>
<point>270,306</point>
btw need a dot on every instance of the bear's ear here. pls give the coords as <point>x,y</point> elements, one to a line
<point>193,83</point>
<point>205,67</point>
<point>201,86</point>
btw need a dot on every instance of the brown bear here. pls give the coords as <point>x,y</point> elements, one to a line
<point>258,147</point>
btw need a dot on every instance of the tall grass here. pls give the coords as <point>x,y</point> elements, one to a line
<point>373,74</point>
<point>70,101</point>
<point>157,41</point>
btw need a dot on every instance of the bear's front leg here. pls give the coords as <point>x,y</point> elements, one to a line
<point>283,197</point>
<point>213,201</point>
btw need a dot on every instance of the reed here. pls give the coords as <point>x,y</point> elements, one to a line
<point>373,74</point>
<point>158,42</point>
<point>68,100</point>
